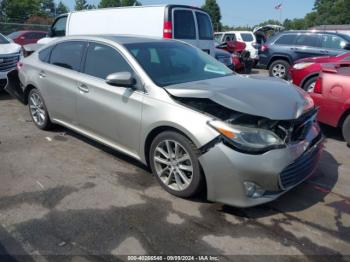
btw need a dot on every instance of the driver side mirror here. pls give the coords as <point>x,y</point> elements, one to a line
<point>347,46</point>
<point>124,79</point>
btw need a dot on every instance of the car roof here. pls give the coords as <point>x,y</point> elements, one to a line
<point>120,39</point>
<point>308,32</point>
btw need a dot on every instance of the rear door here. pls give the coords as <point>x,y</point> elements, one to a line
<point>193,27</point>
<point>308,45</point>
<point>58,80</point>
<point>205,32</point>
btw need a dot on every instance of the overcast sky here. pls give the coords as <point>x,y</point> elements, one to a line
<point>240,12</point>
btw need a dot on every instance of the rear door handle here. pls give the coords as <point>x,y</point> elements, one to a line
<point>83,88</point>
<point>42,74</point>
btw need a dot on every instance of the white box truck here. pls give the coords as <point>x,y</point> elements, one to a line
<point>186,23</point>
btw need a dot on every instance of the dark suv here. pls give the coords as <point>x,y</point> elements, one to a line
<point>283,49</point>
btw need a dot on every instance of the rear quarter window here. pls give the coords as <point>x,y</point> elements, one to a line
<point>184,26</point>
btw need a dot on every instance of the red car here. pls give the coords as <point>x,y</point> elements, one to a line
<point>305,72</point>
<point>332,95</point>
<point>27,37</point>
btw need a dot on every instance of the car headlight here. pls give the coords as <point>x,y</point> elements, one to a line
<point>302,65</point>
<point>247,139</point>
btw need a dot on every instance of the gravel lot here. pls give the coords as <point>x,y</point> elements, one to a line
<point>63,194</point>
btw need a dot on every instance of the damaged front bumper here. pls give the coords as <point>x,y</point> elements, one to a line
<point>275,172</point>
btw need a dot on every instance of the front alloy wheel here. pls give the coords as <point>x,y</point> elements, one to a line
<point>174,162</point>
<point>173,165</point>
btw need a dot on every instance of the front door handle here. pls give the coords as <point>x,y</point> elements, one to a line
<point>42,74</point>
<point>83,88</point>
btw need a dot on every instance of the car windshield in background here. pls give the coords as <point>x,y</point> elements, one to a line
<point>14,35</point>
<point>247,37</point>
<point>174,63</point>
<point>3,40</point>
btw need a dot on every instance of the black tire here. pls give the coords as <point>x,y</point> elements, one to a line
<point>282,64</point>
<point>197,182</point>
<point>46,123</point>
<point>346,129</point>
<point>307,86</point>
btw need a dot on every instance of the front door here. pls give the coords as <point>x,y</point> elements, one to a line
<point>111,113</point>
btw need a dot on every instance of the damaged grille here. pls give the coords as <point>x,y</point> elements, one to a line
<point>302,168</point>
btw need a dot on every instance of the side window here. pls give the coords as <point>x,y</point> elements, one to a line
<point>59,27</point>
<point>29,36</point>
<point>68,55</point>
<point>229,37</point>
<point>44,55</point>
<point>308,40</point>
<point>184,26</point>
<point>102,60</point>
<point>288,39</point>
<point>204,26</point>
<point>218,37</point>
<point>332,42</point>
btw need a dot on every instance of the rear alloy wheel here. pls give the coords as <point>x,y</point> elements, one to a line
<point>280,69</point>
<point>346,129</point>
<point>37,110</point>
<point>174,162</point>
<point>309,85</point>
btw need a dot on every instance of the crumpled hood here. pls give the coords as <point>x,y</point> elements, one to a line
<point>11,48</point>
<point>260,96</point>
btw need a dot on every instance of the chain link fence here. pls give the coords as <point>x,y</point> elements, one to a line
<point>8,28</point>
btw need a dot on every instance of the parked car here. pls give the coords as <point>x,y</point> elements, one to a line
<point>332,95</point>
<point>305,72</point>
<point>283,49</point>
<point>173,107</point>
<point>225,58</point>
<point>10,54</point>
<point>27,37</point>
<point>186,23</point>
<point>242,36</point>
<point>235,49</point>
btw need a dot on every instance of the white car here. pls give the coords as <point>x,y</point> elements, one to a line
<point>243,36</point>
<point>189,24</point>
<point>10,54</point>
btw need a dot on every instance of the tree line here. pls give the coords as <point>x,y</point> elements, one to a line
<point>44,11</point>
<point>325,12</point>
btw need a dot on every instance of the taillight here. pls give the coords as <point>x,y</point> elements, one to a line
<point>19,65</point>
<point>168,29</point>
<point>264,48</point>
<point>318,86</point>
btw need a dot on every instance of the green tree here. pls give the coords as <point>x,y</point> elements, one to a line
<point>109,3</point>
<point>20,10</point>
<point>129,2</point>
<point>48,8</point>
<point>61,8</point>
<point>213,9</point>
<point>81,5</point>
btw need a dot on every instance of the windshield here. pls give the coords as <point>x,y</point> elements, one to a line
<point>169,63</point>
<point>14,35</point>
<point>3,40</point>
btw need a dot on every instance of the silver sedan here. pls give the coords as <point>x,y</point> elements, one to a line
<point>244,140</point>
